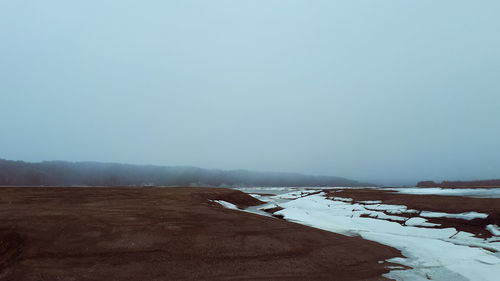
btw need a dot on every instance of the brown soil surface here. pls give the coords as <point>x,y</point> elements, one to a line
<point>434,203</point>
<point>167,234</point>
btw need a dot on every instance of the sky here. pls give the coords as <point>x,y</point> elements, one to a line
<point>390,92</point>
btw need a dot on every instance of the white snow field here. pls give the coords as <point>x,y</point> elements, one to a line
<point>431,253</point>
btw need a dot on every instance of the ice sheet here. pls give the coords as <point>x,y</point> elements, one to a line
<point>433,253</point>
<point>464,216</point>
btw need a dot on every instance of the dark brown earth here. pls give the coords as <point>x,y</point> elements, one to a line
<point>434,203</point>
<point>167,234</point>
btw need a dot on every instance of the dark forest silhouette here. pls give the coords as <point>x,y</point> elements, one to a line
<point>60,173</point>
<point>486,183</point>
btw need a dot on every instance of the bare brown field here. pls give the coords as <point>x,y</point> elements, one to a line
<point>167,234</point>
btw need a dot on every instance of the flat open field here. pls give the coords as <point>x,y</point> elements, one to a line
<point>168,234</point>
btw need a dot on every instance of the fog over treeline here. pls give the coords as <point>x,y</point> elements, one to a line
<point>476,183</point>
<point>61,173</point>
<point>389,92</point>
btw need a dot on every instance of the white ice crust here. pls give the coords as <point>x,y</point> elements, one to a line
<point>432,253</point>
<point>464,216</point>
<point>226,204</point>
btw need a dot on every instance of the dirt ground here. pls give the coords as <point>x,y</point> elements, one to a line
<point>167,234</point>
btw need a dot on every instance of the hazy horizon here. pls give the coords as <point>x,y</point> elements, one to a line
<point>389,92</point>
<point>379,181</point>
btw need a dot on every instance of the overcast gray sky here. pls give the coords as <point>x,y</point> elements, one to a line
<point>385,91</point>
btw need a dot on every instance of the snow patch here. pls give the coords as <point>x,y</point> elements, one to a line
<point>226,204</point>
<point>465,216</point>
<point>371,202</point>
<point>296,194</point>
<point>494,229</point>
<point>342,199</point>
<point>417,221</point>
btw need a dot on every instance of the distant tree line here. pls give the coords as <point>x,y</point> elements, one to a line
<point>60,173</point>
<point>486,183</point>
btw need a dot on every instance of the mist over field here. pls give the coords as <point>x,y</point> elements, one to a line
<point>250,140</point>
<point>389,92</point>
<point>60,173</point>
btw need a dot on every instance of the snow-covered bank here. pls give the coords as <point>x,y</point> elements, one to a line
<point>432,253</point>
<point>467,192</point>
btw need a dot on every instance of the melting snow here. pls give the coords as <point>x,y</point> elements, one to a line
<point>419,222</point>
<point>494,229</point>
<point>297,194</point>
<point>371,202</point>
<point>464,216</point>
<point>468,192</point>
<point>226,204</point>
<point>435,254</point>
